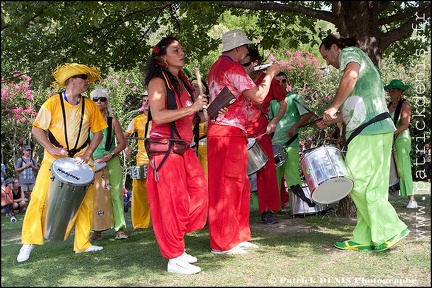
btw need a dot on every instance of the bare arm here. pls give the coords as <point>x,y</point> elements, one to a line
<point>157,99</point>
<point>303,120</point>
<point>259,92</point>
<point>283,106</point>
<point>42,138</point>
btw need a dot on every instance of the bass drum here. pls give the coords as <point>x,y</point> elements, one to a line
<point>326,174</point>
<point>256,156</point>
<point>102,212</point>
<point>69,184</point>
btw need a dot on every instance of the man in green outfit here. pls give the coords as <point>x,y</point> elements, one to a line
<point>360,103</point>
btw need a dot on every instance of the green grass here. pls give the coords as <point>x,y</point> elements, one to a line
<point>298,251</point>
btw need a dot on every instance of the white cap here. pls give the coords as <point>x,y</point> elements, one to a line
<point>233,39</point>
<point>145,93</point>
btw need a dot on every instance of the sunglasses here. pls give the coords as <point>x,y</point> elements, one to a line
<point>102,99</point>
<point>283,81</point>
<point>246,64</point>
<point>82,76</point>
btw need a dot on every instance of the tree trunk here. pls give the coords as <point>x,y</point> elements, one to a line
<point>346,208</point>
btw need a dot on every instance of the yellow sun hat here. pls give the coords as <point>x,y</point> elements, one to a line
<point>65,71</point>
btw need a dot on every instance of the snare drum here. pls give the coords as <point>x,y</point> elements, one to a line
<point>138,172</point>
<point>300,207</point>
<point>256,156</point>
<point>102,212</point>
<point>279,154</point>
<point>326,174</point>
<point>69,184</point>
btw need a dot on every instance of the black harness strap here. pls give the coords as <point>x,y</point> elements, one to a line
<point>109,140</point>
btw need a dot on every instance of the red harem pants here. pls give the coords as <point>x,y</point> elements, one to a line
<point>267,185</point>
<point>229,190</point>
<point>178,202</point>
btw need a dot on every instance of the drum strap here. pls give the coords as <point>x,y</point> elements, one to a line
<point>291,139</point>
<point>110,137</point>
<point>377,118</point>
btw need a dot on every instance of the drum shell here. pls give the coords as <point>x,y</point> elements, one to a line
<point>256,156</point>
<point>298,206</point>
<point>326,175</point>
<point>279,154</point>
<point>102,212</point>
<point>68,186</point>
<point>138,172</point>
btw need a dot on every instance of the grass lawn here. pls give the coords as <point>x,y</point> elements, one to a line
<point>298,251</point>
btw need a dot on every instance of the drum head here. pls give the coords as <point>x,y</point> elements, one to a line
<point>99,166</point>
<point>69,172</point>
<point>332,190</point>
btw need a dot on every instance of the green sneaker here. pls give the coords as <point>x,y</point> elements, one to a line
<point>392,241</point>
<point>351,245</point>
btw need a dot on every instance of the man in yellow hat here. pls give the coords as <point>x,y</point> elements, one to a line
<point>62,127</point>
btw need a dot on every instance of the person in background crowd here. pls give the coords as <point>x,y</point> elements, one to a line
<point>229,188</point>
<point>260,127</point>
<point>286,134</point>
<point>400,110</point>
<point>7,197</point>
<point>64,140</point>
<point>27,168</point>
<point>140,213</point>
<point>359,99</point>
<point>20,201</point>
<point>108,151</point>
<point>176,183</point>
<point>3,172</point>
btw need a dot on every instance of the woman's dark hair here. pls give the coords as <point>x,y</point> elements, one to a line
<point>254,54</point>
<point>340,41</point>
<point>157,67</point>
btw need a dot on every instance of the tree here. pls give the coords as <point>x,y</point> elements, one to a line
<point>39,35</point>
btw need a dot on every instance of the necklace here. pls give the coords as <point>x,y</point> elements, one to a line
<point>393,105</point>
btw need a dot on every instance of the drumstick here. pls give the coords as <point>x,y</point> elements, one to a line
<point>260,135</point>
<point>309,110</point>
<point>198,76</point>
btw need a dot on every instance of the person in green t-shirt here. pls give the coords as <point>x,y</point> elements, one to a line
<point>359,98</point>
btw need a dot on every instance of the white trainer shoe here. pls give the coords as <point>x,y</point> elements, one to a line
<point>247,245</point>
<point>233,251</point>
<point>92,248</point>
<point>24,253</point>
<point>188,258</point>
<point>412,205</point>
<point>179,266</point>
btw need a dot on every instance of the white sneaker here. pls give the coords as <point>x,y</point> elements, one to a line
<point>247,245</point>
<point>179,266</point>
<point>233,251</point>
<point>24,253</point>
<point>412,205</point>
<point>92,248</point>
<point>188,258</point>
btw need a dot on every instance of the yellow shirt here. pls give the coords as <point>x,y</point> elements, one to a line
<point>138,125</point>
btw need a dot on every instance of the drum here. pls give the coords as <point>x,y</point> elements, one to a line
<point>68,186</point>
<point>138,172</point>
<point>99,166</point>
<point>256,156</point>
<point>102,212</point>
<point>279,154</point>
<point>394,176</point>
<point>298,206</point>
<point>326,175</point>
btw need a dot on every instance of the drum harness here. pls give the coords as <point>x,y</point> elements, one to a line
<point>54,141</point>
<point>171,104</point>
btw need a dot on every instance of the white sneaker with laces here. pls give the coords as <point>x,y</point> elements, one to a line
<point>233,251</point>
<point>24,253</point>
<point>412,205</point>
<point>92,248</point>
<point>188,258</point>
<point>179,266</point>
<point>247,245</point>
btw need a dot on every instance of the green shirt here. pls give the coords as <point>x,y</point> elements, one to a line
<point>292,115</point>
<point>367,99</point>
